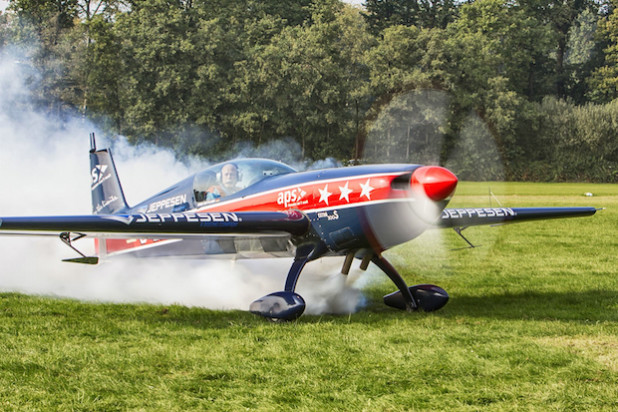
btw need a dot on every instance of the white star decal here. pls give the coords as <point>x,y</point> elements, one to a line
<point>345,192</point>
<point>324,194</point>
<point>366,190</point>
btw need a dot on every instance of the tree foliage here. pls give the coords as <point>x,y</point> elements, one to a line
<point>520,89</point>
<point>604,80</point>
<point>424,13</point>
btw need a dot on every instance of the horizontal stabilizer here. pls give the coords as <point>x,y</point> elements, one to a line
<point>87,260</point>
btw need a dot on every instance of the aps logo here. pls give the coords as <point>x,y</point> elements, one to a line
<point>292,197</point>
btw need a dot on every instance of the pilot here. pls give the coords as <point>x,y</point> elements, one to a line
<point>229,183</point>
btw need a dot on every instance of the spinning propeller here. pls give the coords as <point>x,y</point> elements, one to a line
<point>417,127</point>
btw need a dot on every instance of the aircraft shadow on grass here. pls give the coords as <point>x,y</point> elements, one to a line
<point>585,307</point>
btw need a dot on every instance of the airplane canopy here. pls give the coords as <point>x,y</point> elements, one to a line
<point>230,177</point>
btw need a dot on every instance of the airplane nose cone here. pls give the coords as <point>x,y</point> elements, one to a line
<point>436,182</point>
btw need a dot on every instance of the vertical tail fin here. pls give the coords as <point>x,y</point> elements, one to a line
<point>107,194</point>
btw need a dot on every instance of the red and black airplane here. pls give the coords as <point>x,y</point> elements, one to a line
<point>251,208</point>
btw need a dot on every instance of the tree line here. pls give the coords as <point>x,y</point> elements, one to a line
<point>522,90</point>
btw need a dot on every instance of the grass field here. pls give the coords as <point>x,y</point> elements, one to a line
<point>532,325</point>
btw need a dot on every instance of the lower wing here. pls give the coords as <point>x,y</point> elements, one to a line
<point>245,234</point>
<point>462,218</point>
<point>161,226</point>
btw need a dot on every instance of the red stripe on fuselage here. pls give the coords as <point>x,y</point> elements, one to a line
<point>312,196</point>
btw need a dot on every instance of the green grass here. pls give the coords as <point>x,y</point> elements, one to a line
<point>531,325</point>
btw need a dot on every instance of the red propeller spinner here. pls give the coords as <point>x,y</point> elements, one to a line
<point>437,182</point>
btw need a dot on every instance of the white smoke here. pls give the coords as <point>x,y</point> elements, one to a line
<point>44,171</point>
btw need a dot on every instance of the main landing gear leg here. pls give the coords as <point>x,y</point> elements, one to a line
<point>287,305</point>
<point>426,297</point>
<point>405,299</point>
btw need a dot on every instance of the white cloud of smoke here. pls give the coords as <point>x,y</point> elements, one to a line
<point>44,171</point>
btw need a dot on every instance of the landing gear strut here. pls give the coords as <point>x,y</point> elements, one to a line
<point>288,305</point>
<point>67,240</point>
<point>405,295</point>
<point>425,296</point>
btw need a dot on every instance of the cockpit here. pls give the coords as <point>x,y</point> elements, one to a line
<point>228,178</point>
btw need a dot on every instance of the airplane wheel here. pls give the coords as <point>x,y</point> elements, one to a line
<point>428,297</point>
<point>279,306</point>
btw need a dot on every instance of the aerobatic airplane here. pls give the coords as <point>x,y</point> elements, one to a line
<point>251,208</point>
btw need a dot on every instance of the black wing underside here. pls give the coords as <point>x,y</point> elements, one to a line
<point>162,226</point>
<point>244,234</point>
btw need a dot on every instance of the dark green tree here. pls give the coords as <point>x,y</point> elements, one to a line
<point>424,13</point>
<point>584,54</point>
<point>49,17</point>
<point>158,52</point>
<point>102,74</point>
<point>562,16</point>
<point>57,35</point>
<point>493,38</point>
<point>604,80</point>
<point>313,78</point>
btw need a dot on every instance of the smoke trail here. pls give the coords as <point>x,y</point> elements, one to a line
<point>44,171</point>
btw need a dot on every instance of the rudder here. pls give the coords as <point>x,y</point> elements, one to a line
<point>107,194</point>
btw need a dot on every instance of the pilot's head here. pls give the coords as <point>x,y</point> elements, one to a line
<point>229,176</point>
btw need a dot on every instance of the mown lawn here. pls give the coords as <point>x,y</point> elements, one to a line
<point>531,325</point>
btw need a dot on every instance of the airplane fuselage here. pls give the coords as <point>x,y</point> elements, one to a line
<point>349,208</point>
